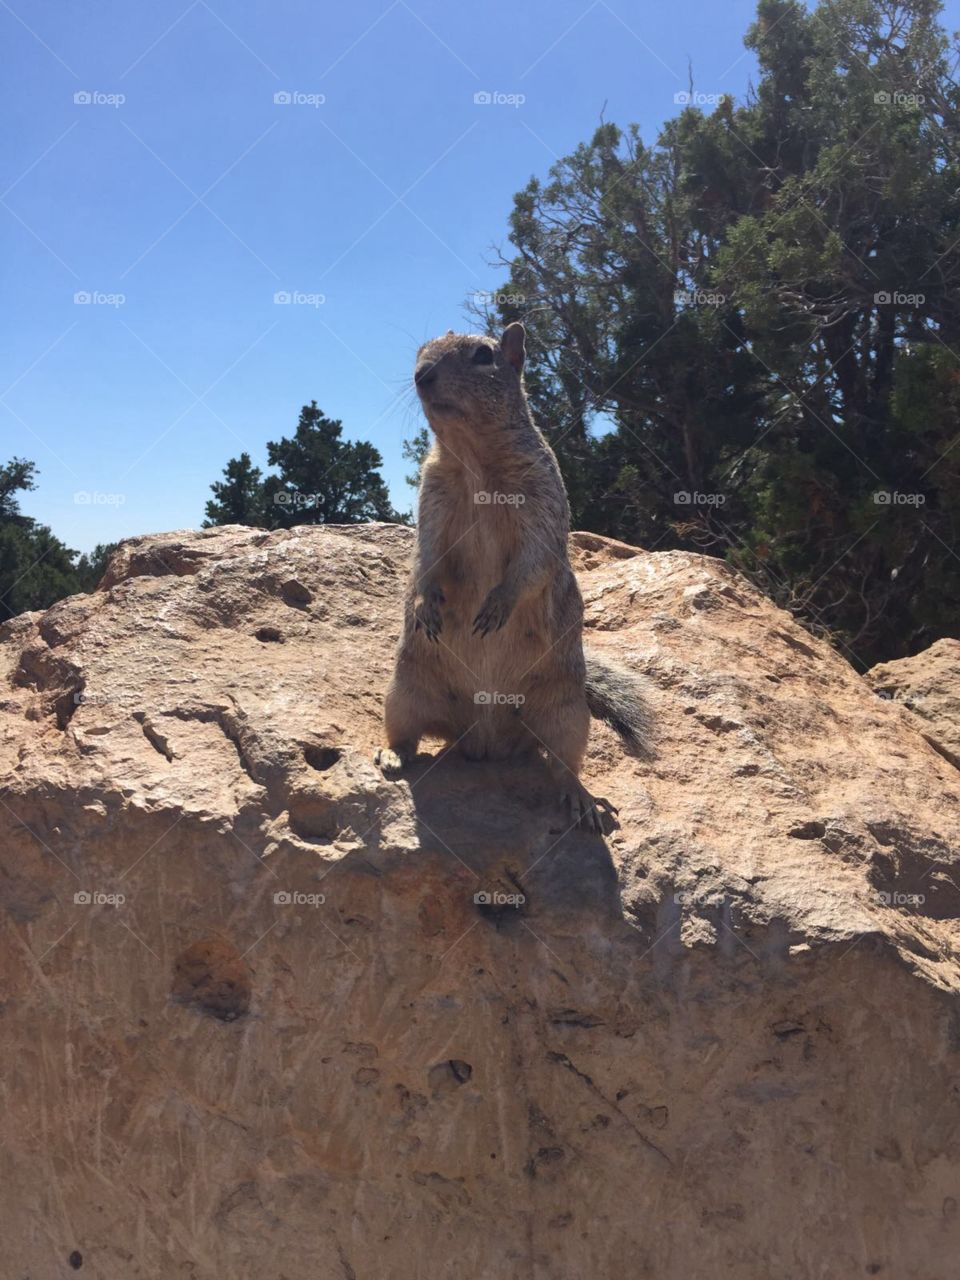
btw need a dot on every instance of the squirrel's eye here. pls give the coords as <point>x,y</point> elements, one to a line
<point>483,355</point>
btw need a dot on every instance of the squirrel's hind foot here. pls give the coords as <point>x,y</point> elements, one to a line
<point>589,813</point>
<point>390,762</point>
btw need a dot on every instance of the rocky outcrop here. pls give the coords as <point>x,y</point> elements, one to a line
<point>268,1014</point>
<point>929,686</point>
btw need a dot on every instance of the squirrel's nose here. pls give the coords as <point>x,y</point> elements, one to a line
<point>425,375</point>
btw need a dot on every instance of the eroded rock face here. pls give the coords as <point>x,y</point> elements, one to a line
<point>929,685</point>
<point>266,1013</point>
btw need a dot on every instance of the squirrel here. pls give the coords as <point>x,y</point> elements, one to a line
<point>491,655</point>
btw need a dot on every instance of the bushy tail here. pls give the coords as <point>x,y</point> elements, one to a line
<point>616,695</point>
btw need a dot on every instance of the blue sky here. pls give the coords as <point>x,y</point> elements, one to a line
<point>196,198</point>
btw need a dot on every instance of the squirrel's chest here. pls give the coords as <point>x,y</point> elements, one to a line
<point>480,539</point>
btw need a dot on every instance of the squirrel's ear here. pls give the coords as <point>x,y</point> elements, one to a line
<point>512,345</point>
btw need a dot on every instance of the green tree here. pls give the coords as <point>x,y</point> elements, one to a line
<point>760,313</point>
<point>319,478</point>
<point>91,567</point>
<point>323,479</point>
<point>415,450</point>
<point>237,499</point>
<point>36,568</point>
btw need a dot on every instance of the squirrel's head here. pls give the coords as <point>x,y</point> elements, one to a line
<point>469,381</point>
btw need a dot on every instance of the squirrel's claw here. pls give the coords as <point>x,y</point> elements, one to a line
<point>494,612</point>
<point>588,812</point>
<point>427,615</point>
<point>430,633</point>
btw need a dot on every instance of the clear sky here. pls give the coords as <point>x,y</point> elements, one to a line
<point>182,197</point>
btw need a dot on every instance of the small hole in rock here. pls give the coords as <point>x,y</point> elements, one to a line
<point>321,758</point>
<point>449,1075</point>
<point>213,977</point>
<point>269,635</point>
<point>76,1259</point>
<point>295,594</point>
<point>808,831</point>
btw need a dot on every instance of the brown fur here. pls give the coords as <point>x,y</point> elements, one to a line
<point>493,608</point>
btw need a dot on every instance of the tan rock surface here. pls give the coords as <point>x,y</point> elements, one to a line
<point>284,1040</point>
<point>929,685</point>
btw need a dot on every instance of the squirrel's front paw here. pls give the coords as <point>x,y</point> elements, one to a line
<point>426,612</point>
<point>494,611</point>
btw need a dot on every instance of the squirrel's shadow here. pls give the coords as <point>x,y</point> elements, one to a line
<point>502,821</point>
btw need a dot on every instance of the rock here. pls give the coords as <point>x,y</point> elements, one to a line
<point>213,976</point>
<point>929,685</point>
<point>268,1014</point>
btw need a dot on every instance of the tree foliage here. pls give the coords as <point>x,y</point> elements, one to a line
<point>238,498</point>
<point>92,566</point>
<point>415,450</point>
<point>36,568</point>
<point>759,312</point>
<point>319,479</point>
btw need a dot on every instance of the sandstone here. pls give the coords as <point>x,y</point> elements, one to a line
<point>269,1014</point>
<point>929,686</point>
